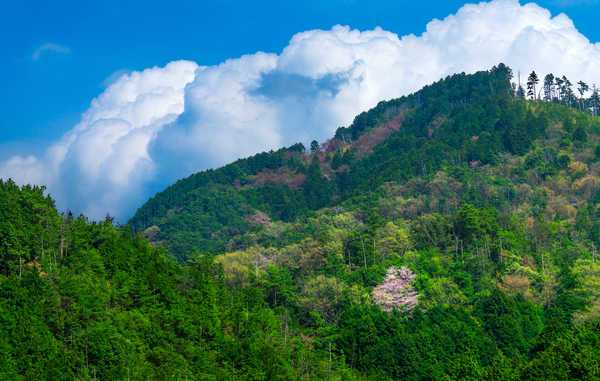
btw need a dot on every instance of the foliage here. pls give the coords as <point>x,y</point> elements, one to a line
<point>266,268</point>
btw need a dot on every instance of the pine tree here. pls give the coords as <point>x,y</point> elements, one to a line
<point>549,87</point>
<point>595,100</point>
<point>532,80</point>
<point>583,88</point>
<point>567,92</point>
<point>559,92</point>
<point>314,146</point>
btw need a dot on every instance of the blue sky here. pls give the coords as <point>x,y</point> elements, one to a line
<point>156,118</point>
<point>44,98</point>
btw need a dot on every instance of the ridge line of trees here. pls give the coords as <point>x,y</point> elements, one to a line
<point>560,90</point>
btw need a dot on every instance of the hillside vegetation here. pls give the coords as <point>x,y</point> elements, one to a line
<point>449,234</point>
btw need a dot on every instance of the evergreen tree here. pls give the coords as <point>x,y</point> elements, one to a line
<point>580,135</point>
<point>595,100</point>
<point>567,92</point>
<point>583,88</point>
<point>314,147</point>
<point>532,81</point>
<point>560,89</point>
<point>549,87</point>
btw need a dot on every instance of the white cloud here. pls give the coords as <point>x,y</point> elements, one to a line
<point>114,77</point>
<point>101,165</point>
<point>50,47</point>
<point>323,78</point>
<point>149,128</point>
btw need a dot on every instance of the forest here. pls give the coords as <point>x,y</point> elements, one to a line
<point>451,234</point>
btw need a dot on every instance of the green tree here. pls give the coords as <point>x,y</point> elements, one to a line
<point>549,87</point>
<point>532,81</point>
<point>582,89</point>
<point>595,100</point>
<point>314,147</point>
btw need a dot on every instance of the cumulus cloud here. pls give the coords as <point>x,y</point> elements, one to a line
<point>323,78</point>
<point>149,128</point>
<point>50,47</point>
<point>102,165</point>
<point>114,77</point>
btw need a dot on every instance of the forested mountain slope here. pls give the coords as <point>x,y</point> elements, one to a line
<point>459,127</point>
<point>450,234</point>
<point>82,300</point>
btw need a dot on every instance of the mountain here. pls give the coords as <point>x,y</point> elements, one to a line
<point>448,234</point>
<point>448,130</point>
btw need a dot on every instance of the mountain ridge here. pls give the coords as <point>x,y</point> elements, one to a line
<point>374,143</point>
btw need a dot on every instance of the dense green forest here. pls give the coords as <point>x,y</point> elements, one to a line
<point>449,234</point>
